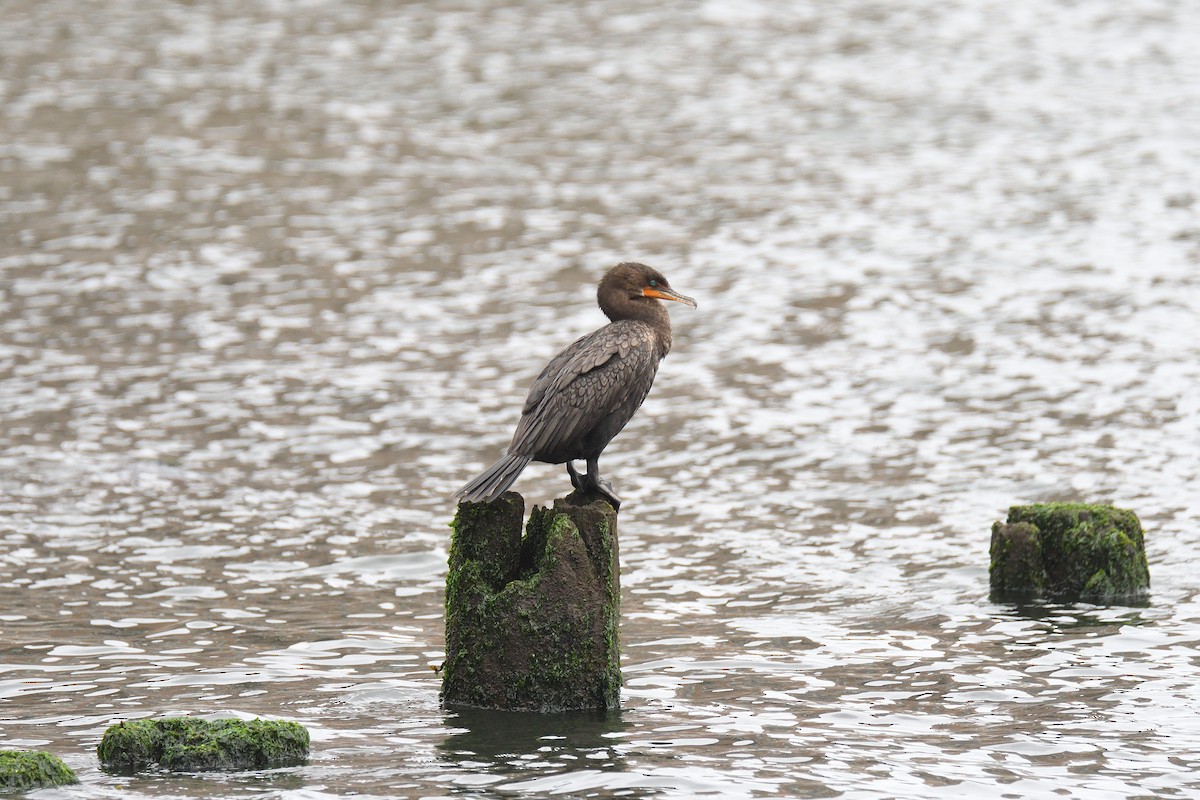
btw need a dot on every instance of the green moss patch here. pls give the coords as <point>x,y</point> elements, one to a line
<point>26,770</point>
<point>1069,552</point>
<point>187,744</point>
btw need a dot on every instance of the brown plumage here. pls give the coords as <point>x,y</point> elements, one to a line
<point>586,394</point>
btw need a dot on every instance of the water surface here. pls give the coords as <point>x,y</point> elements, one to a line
<point>275,278</point>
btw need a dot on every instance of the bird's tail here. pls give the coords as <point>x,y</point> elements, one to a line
<point>493,481</point>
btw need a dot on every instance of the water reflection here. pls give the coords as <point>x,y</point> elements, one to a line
<point>514,742</point>
<point>1081,615</point>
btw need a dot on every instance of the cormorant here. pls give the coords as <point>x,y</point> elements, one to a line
<point>586,394</point>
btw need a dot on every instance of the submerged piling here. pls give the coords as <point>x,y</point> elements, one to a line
<point>1069,552</point>
<point>532,623</point>
<point>191,744</point>
<point>29,770</point>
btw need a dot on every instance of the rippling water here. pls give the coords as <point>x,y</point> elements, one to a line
<point>276,277</point>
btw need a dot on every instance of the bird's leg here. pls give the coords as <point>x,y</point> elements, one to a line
<point>575,479</point>
<point>599,485</point>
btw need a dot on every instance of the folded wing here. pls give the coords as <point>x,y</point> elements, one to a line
<point>587,393</point>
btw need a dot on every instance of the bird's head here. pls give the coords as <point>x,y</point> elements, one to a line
<point>631,284</point>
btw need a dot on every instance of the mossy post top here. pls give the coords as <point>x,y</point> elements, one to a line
<point>1058,515</point>
<point>27,770</point>
<point>189,744</point>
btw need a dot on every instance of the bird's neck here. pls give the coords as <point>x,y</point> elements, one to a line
<point>651,312</point>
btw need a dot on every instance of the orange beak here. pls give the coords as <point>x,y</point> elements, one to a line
<point>668,294</point>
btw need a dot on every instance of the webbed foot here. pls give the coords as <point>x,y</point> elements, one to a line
<point>576,481</point>
<point>591,482</point>
<point>605,489</point>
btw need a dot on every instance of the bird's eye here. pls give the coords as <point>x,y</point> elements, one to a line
<point>653,283</point>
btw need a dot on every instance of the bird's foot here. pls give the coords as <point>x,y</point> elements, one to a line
<point>605,489</point>
<point>576,481</point>
<point>592,483</point>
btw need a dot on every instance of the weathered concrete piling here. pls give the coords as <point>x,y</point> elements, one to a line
<point>1069,552</point>
<point>532,623</point>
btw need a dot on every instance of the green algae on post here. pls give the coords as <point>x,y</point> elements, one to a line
<point>187,744</point>
<point>532,624</point>
<point>26,770</point>
<point>1069,552</point>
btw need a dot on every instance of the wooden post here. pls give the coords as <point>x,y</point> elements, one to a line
<point>1069,552</point>
<point>532,623</point>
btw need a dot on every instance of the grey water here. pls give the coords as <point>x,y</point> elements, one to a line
<point>275,276</point>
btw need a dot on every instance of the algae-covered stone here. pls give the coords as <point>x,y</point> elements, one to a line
<point>26,770</point>
<point>1068,552</point>
<point>187,744</point>
<point>532,624</point>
